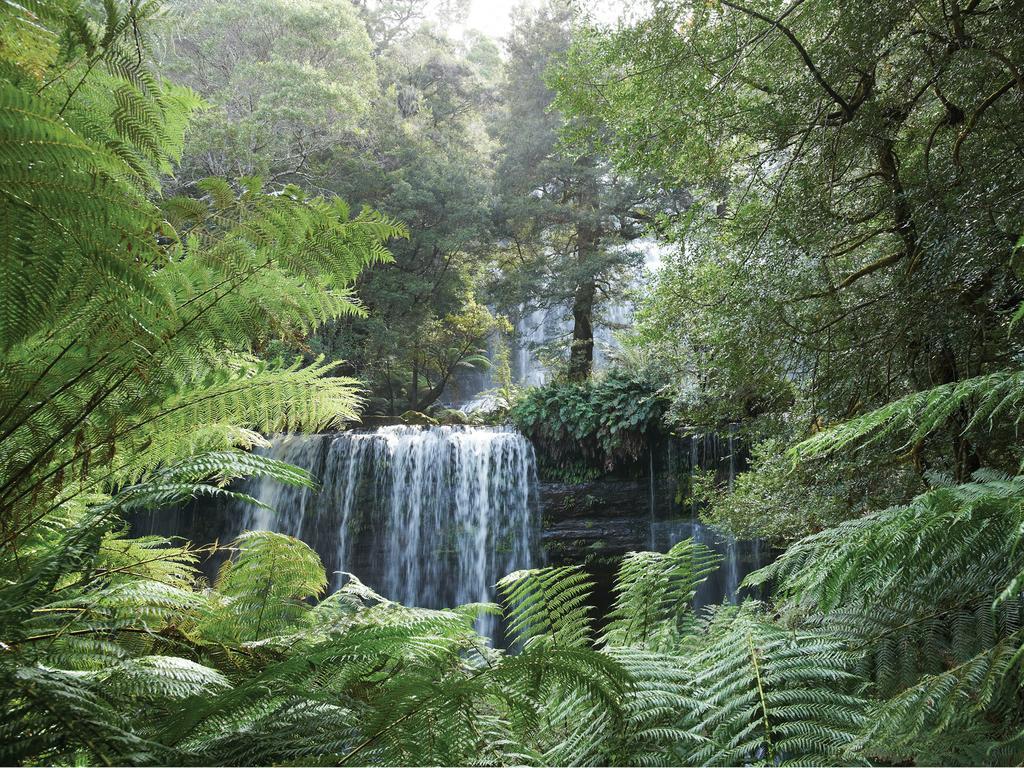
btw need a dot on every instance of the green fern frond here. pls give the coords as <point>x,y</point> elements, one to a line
<point>161,677</point>
<point>264,587</point>
<point>654,594</point>
<point>768,694</point>
<point>940,710</point>
<point>548,603</point>
<point>53,715</point>
<point>947,543</point>
<point>992,398</point>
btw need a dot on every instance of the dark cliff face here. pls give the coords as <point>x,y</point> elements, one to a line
<point>604,517</point>
<point>613,514</point>
<point>595,523</point>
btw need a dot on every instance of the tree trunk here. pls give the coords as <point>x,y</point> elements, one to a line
<point>945,371</point>
<point>581,355</point>
<point>430,396</point>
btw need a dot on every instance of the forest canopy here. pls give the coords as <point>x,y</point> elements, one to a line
<point>224,220</point>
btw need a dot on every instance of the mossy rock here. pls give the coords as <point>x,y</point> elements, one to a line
<point>417,419</point>
<point>451,416</point>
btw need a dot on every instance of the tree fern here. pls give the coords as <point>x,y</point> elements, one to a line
<point>549,604</point>
<point>769,694</point>
<point>954,716</point>
<point>654,594</point>
<point>128,337</point>
<point>925,594</point>
<point>56,715</point>
<point>265,587</point>
<point>987,399</point>
<point>660,726</point>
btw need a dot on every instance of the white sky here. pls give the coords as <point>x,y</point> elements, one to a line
<point>494,17</point>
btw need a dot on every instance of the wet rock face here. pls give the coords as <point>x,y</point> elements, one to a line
<point>594,524</point>
<point>606,497</point>
<point>573,540</point>
<point>606,517</point>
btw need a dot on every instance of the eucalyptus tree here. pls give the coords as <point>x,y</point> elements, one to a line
<point>566,214</point>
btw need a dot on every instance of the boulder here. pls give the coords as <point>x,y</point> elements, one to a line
<point>415,418</point>
<point>451,416</point>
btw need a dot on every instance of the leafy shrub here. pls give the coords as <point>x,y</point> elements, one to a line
<point>783,502</point>
<point>584,429</point>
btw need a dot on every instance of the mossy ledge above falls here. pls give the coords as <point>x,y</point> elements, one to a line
<point>590,429</point>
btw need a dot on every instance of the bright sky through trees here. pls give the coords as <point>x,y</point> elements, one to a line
<point>494,17</point>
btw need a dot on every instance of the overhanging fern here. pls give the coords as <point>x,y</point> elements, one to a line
<point>988,399</point>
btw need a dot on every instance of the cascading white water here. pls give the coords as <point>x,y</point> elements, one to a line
<point>732,564</point>
<point>430,517</point>
<point>709,452</point>
<point>535,328</point>
<point>538,327</point>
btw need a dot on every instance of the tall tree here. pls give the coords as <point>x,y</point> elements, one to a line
<point>565,212</point>
<point>372,102</point>
<point>425,160</point>
<point>391,21</point>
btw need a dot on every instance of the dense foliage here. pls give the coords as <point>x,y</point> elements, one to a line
<point>857,202</point>
<point>889,648</point>
<point>248,671</point>
<point>379,106</point>
<point>849,289</point>
<point>847,282</point>
<point>567,219</point>
<point>132,321</point>
<point>581,430</point>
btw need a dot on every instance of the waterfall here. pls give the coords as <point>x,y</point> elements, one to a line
<point>537,327</point>
<point>732,563</point>
<point>533,329</point>
<point>723,456</point>
<point>430,517</point>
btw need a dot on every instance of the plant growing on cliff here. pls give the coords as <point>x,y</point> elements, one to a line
<point>583,429</point>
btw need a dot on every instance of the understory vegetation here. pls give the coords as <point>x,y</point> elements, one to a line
<point>581,430</point>
<point>191,245</point>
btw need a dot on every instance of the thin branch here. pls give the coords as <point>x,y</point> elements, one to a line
<point>976,115</point>
<point>808,62</point>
